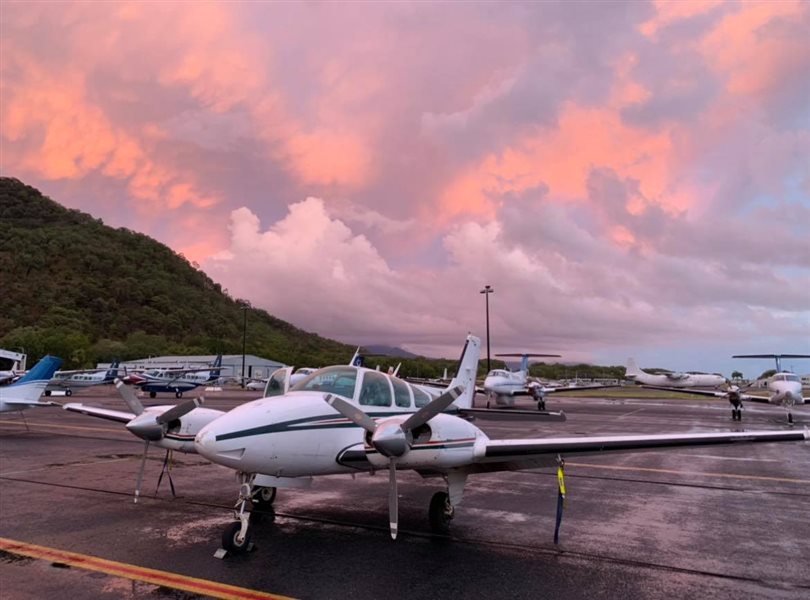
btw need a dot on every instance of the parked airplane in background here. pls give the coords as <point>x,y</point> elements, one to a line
<point>785,388</point>
<point>177,381</point>
<point>27,390</point>
<point>502,386</point>
<point>345,419</point>
<point>675,380</point>
<point>66,380</point>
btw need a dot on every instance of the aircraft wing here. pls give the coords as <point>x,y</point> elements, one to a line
<point>512,455</point>
<point>709,393</point>
<point>14,402</point>
<point>557,390</point>
<point>102,413</point>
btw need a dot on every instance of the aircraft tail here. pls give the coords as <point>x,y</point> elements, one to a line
<point>467,371</point>
<point>632,369</point>
<point>112,372</point>
<point>28,388</point>
<point>216,368</point>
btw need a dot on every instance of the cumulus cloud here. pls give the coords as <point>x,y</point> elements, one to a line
<point>622,173</point>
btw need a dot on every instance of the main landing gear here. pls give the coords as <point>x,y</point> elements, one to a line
<point>442,504</point>
<point>237,537</point>
<point>440,513</point>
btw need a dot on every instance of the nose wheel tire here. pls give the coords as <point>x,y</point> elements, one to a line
<point>790,418</point>
<point>440,513</point>
<point>68,392</point>
<point>262,500</point>
<point>152,394</point>
<point>178,394</point>
<point>231,541</point>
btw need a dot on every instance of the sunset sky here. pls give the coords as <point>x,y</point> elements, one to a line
<point>633,179</point>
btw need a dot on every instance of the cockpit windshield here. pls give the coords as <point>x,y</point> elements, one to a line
<point>338,380</point>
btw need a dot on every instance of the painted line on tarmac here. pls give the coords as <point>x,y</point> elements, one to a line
<point>700,473</point>
<point>61,426</point>
<point>118,569</point>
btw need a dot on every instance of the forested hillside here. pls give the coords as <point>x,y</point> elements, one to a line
<point>74,287</point>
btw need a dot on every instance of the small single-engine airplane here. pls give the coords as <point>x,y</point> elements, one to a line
<point>674,380</point>
<point>177,381</point>
<point>502,386</point>
<point>785,388</point>
<point>80,378</point>
<point>345,419</point>
<point>27,390</point>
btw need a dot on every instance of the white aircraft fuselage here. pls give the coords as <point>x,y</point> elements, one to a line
<point>678,380</point>
<point>274,436</point>
<point>785,389</point>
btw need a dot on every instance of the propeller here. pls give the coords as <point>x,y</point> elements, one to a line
<point>151,427</point>
<point>393,438</point>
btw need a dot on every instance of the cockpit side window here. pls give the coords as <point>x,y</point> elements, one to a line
<point>275,385</point>
<point>375,390</point>
<point>337,380</point>
<point>402,395</point>
<point>420,397</point>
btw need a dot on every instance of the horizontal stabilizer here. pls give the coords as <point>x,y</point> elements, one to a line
<point>521,355</point>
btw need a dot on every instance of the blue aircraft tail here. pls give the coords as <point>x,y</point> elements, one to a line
<point>28,388</point>
<point>112,372</point>
<point>215,371</point>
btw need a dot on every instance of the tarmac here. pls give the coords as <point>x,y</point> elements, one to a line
<point>717,522</point>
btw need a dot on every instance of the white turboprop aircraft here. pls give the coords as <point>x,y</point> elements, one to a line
<point>785,388</point>
<point>345,419</point>
<point>27,390</point>
<point>502,386</point>
<point>674,380</point>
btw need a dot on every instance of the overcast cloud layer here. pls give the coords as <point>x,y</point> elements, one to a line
<point>631,178</point>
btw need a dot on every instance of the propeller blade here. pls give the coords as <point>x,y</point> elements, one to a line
<point>178,411</point>
<point>430,410</point>
<point>140,471</point>
<point>128,395</point>
<point>351,412</point>
<point>393,500</point>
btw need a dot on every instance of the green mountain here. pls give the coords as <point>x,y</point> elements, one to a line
<point>74,287</point>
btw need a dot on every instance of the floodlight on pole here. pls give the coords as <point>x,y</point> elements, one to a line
<point>244,309</point>
<point>487,291</point>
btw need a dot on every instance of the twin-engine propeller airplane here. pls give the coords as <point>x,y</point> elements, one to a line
<point>27,390</point>
<point>785,388</point>
<point>345,419</point>
<point>502,386</point>
<point>674,380</point>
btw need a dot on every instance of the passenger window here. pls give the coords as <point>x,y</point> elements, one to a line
<point>402,396</point>
<point>375,390</point>
<point>420,397</point>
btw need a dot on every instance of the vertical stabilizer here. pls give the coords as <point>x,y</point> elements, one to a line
<point>632,369</point>
<point>467,371</point>
<point>28,388</point>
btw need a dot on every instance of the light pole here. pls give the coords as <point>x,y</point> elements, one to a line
<point>487,291</point>
<point>244,310</point>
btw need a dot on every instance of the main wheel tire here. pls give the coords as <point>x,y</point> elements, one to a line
<point>541,405</point>
<point>68,392</point>
<point>264,497</point>
<point>152,394</point>
<point>178,394</point>
<point>230,539</point>
<point>790,418</point>
<point>440,513</point>
<point>47,392</point>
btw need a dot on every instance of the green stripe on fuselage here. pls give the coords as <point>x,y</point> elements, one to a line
<point>302,425</point>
